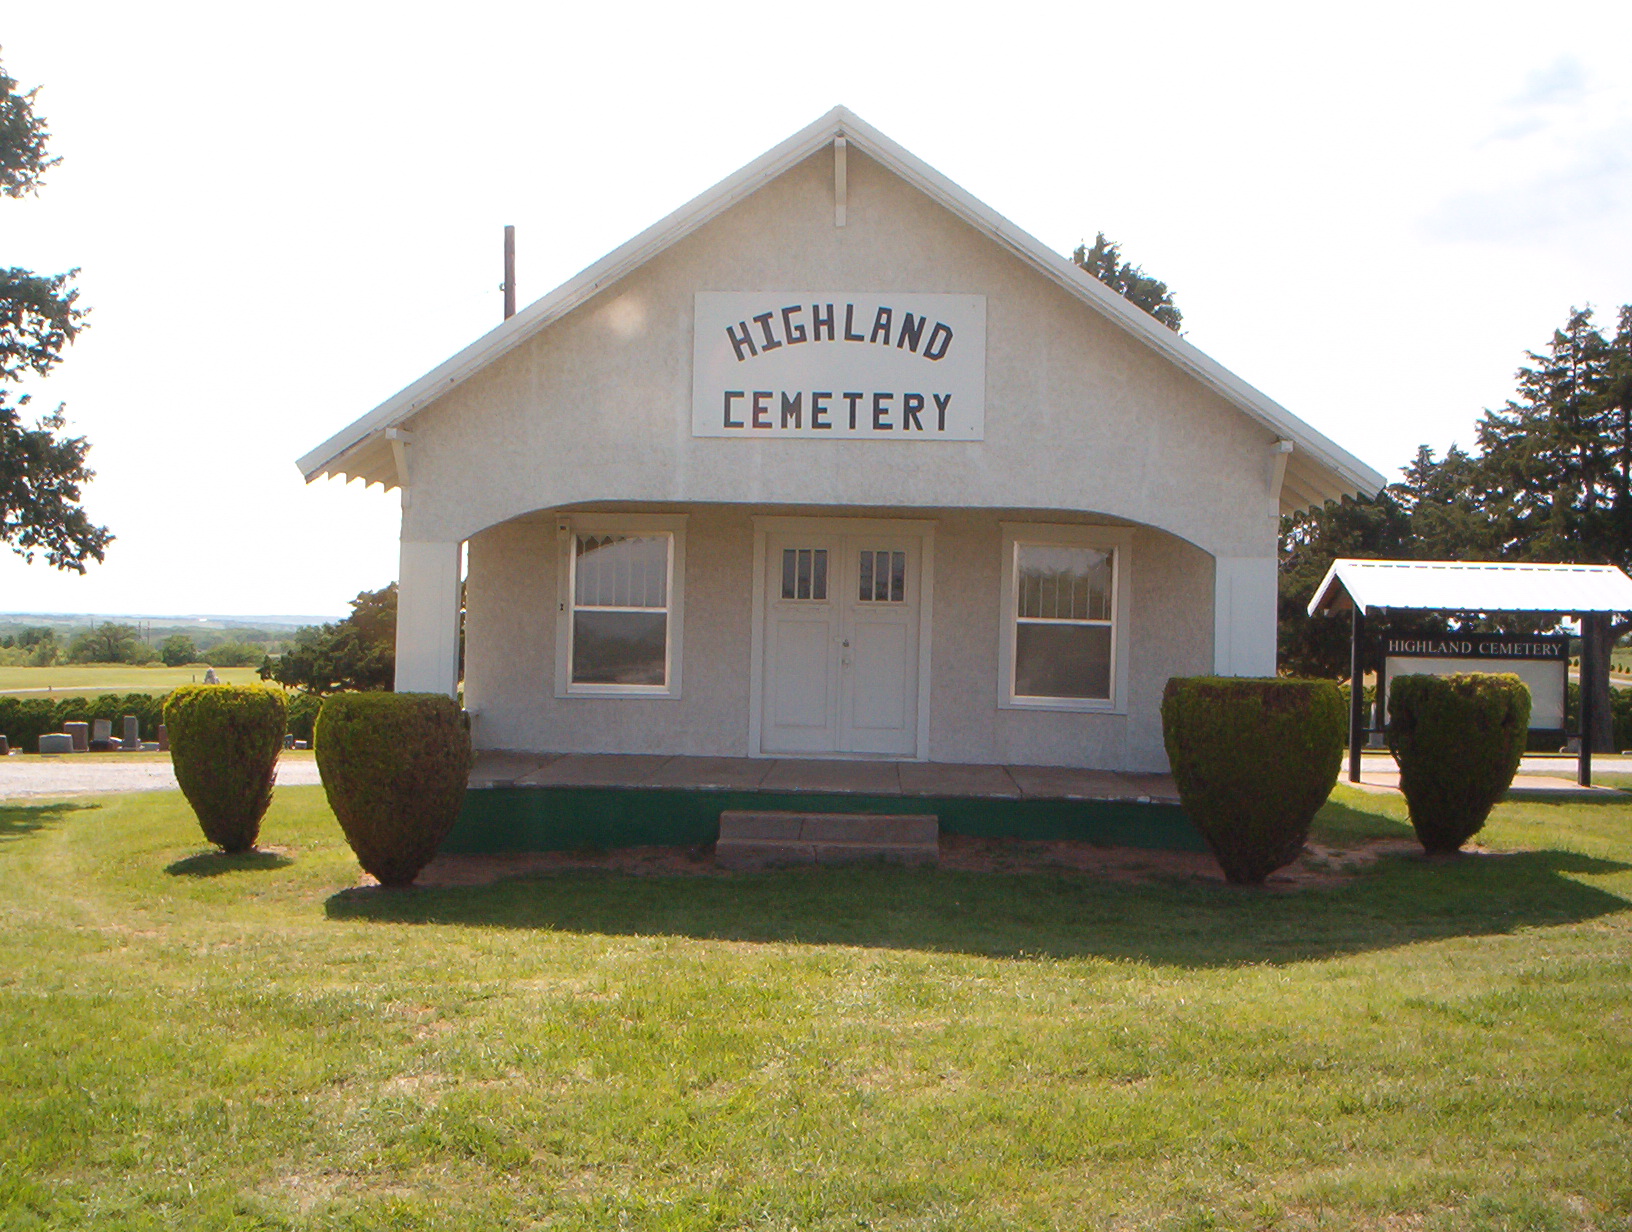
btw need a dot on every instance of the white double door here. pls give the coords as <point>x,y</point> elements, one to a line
<point>840,673</point>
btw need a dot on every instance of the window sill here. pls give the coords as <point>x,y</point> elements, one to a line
<point>1062,705</point>
<point>661,693</point>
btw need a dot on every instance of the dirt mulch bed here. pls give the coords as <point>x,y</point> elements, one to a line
<point>1319,867</point>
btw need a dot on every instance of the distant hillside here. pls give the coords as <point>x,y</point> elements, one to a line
<point>184,623</point>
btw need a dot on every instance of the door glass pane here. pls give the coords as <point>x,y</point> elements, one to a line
<point>883,577</point>
<point>804,573</point>
<point>1063,583</point>
<point>619,647</point>
<point>1062,661</point>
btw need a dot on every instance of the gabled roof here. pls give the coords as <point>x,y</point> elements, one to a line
<point>1472,586</point>
<point>1318,470</point>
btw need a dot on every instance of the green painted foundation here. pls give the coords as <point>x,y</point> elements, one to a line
<point>498,819</point>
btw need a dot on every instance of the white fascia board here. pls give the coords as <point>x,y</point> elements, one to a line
<point>576,291</point>
<point>1473,586</point>
<point>1327,584</point>
<point>1352,475</point>
<point>1351,472</point>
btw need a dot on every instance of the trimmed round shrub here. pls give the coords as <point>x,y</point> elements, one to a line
<point>1253,760</point>
<point>395,767</point>
<point>1457,740</point>
<point>224,742</point>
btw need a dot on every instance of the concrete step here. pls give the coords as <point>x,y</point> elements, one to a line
<point>762,839</point>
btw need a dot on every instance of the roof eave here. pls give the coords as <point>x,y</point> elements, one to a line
<point>1350,473</point>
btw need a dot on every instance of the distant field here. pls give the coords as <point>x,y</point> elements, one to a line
<point>90,679</point>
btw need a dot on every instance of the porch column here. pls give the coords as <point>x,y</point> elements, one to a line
<point>428,618</point>
<point>1244,611</point>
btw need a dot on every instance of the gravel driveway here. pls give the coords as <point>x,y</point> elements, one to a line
<point>23,780</point>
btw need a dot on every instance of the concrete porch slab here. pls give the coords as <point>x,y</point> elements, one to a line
<point>712,773</point>
<point>872,778</point>
<point>499,768</point>
<point>927,778</point>
<point>790,775</point>
<point>1069,783</point>
<point>597,770</point>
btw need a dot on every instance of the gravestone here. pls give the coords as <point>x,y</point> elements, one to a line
<point>132,743</point>
<point>57,742</point>
<point>288,740</point>
<point>102,729</point>
<point>81,732</point>
<point>5,747</point>
<point>164,738</point>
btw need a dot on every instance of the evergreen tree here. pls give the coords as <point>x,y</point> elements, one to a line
<point>359,652</point>
<point>1104,262</point>
<point>1544,460</point>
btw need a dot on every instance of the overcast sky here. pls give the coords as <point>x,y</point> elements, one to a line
<point>284,213</point>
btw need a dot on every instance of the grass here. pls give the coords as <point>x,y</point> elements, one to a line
<point>91,679</point>
<point>192,1040</point>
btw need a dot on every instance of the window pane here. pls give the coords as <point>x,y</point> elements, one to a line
<point>622,571</point>
<point>1062,661</point>
<point>1063,583</point>
<point>866,576</point>
<point>898,576</point>
<point>619,647</point>
<point>804,573</point>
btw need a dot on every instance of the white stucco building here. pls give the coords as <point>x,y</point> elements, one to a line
<point>836,462</point>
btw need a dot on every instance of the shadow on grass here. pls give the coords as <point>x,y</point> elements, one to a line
<point>1338,823</point>
<point>216,863</point>
<point>1404,900</point>
<point>18,820</point>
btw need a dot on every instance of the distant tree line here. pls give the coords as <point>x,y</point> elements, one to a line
<point>114,642</point>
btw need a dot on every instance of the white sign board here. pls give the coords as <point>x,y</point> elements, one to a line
<point>1544,677</point>
<point>876,366</point>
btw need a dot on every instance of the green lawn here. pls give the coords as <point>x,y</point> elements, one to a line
<point>90,679</point>
<point>188,1040</point>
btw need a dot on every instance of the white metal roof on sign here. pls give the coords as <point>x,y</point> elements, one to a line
<point>1317,470</point>
<point>1472,586</point>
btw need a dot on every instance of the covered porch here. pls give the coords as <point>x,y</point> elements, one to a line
<point>564,801</point>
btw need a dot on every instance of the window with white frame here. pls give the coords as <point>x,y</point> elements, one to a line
<point>620,629</point>
<point>1064,616</point>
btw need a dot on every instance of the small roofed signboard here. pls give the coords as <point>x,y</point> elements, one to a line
<point>820,365</point>
<point>1542,661</point>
